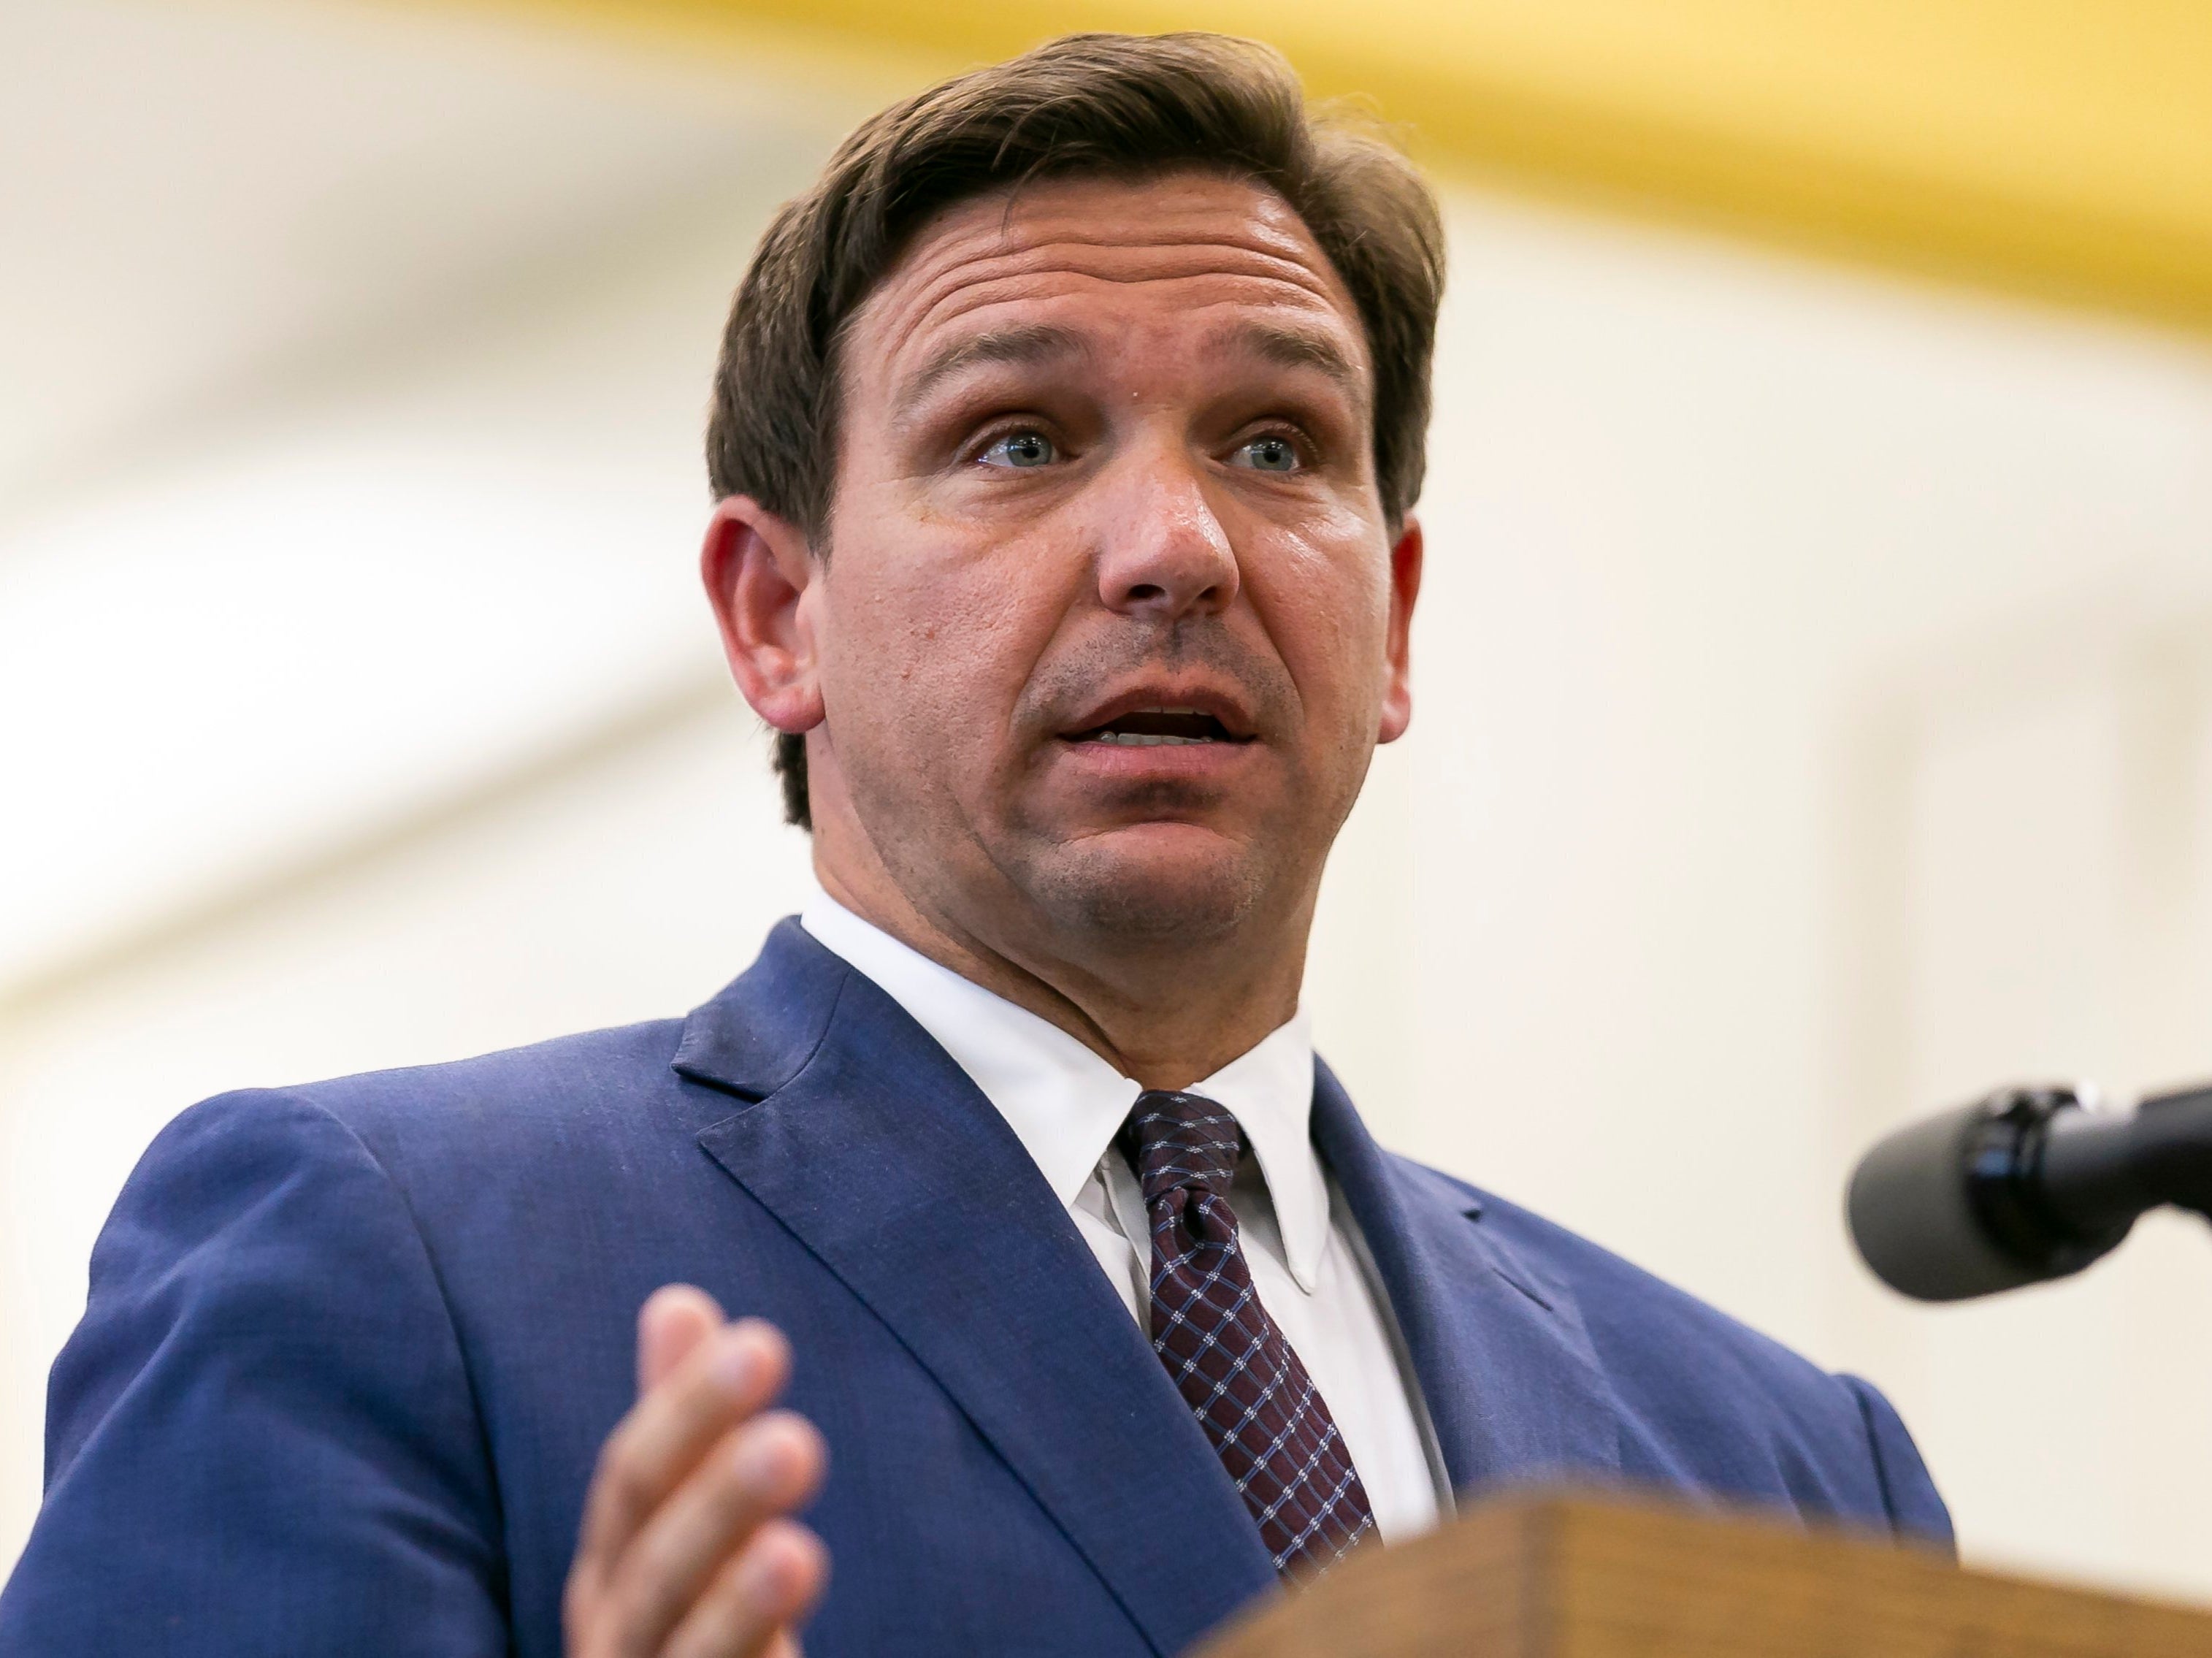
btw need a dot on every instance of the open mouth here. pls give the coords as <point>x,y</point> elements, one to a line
<point>1147,728</point>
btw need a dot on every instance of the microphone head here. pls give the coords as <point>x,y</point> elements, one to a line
<point>1960,1205</point>
<point>1913,1215</point>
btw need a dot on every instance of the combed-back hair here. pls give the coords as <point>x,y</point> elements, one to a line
<point>1116,104</point>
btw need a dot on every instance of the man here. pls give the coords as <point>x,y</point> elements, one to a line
<point>1066,442</point>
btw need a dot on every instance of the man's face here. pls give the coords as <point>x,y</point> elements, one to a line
<point>1111,617</point>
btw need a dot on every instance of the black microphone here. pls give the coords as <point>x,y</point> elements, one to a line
<point>2029,1184</point>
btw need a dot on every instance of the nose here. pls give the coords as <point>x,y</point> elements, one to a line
<point>1165,555</point>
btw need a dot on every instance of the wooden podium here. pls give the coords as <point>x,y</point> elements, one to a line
<point>1569,1577</point>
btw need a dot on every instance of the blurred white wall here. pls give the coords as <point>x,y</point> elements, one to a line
<point>1814,722</point>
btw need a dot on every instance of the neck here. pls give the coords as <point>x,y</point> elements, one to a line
<point>1165,1015</point>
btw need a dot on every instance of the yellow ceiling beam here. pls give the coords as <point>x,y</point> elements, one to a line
<point>2056,147</point>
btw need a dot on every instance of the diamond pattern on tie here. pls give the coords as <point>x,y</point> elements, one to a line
<point>1232,1366</point>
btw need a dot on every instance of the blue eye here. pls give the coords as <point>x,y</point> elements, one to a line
<point>1022,449</point>
<point>1269,454</point>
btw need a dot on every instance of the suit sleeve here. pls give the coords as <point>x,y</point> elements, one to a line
<point>1908,1490</point>
<point>261,1439</point>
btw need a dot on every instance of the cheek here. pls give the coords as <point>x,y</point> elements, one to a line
<point>1326,601</point>
<point>932,633</point>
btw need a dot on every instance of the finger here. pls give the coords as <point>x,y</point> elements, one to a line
<point>747,1610</point>
<point>675,1319</point>
<point>727,1377</point>
<point>761,1471</point>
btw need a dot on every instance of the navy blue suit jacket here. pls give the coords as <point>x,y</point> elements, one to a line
<point>351,1350</point>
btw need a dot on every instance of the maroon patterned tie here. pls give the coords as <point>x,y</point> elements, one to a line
<point>1234,1367</point>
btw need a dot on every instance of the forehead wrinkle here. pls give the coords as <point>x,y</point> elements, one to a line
<point>953,307</point>
<point>1021,294</point>
<point>1254,265</point>
<point>1022,236</point>
<point>979,274</point>
<point>1071,243</point>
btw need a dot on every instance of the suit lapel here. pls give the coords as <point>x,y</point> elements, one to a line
<point>1512,1383</point>
<point>876,1151</point>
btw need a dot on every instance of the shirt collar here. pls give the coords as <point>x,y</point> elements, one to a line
<point>1066,1104</point>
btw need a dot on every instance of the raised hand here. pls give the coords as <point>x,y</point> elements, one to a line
<point>687,1551</point>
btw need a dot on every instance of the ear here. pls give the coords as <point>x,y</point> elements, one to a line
<point>1398,673</point>
<point>761,579</point>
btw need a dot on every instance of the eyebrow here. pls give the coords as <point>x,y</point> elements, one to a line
<point>1298,348</point>
<point>1032,343</point>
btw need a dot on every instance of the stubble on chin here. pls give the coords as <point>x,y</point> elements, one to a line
<point>1120,899</point>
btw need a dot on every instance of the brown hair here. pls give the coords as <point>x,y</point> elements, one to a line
<point>1113,104</point>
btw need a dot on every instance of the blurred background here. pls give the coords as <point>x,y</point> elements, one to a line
<point>1814,675</point>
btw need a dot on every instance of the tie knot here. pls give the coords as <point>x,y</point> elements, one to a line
<point>1181,1139</point>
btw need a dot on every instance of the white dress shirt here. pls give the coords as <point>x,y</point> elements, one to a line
<point>1310,1267</point>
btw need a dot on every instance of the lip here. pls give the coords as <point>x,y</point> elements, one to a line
<point>1112,765</point>
<point>1199,697</point>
